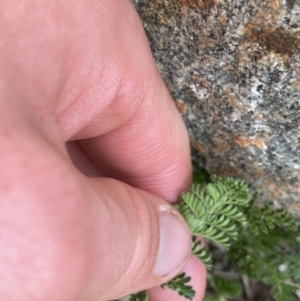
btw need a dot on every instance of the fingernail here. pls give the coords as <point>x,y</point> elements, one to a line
<point>175,242</point>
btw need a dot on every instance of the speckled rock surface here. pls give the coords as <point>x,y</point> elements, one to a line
<point>233,68</point>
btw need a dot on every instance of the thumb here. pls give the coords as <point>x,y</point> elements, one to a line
<point>138,240</point>
<point>76,238</point>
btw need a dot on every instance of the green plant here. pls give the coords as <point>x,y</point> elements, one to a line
<point>269,254</point>
<point>179,285</point>
<point>256,242</point>
<point>225,288</point>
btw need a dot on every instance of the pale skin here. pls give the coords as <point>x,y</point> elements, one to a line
<point>82,222</point>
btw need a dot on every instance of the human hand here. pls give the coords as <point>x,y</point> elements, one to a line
<point>82,71</point>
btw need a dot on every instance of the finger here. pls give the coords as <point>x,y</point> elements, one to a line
<point>75,113</point>
<point>197,271</point>
<point>156,160</point>
<point>145,255</point>
<point>76,238</point>
<point>124,115</point>
<point>96,78</point>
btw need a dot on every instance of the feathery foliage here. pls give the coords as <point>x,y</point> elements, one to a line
<point>140,296</point>
<point>223,212</point>
<point>212,210</point>
<point>268,240</point>
<point>265,219</point>
<point>226,288</point>
<point>201,253</point>
<point>179,284</point>
<point>259,241</point>
<point>271,257</point>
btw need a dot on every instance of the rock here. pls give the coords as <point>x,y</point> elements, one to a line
<point>233,68</point>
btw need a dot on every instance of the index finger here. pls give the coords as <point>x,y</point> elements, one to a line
<point>142,139</point>
<point>150,151</point>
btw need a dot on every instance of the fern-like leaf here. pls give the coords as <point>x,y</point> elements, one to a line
<point>140,296</point>
<point>219,212</point>
<point>293,265</point>
<point>201,253</point>
<point>265,219</point>
<point>225,288</point>
<point>259,256</point>
<point>179,284</point>
<point>212,210</point>
<point>283,292</point>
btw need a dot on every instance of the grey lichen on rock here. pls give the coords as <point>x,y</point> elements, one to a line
<point>233,68</point>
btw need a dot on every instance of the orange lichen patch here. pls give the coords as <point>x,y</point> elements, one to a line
<point>200,82</point>
<point>259,142</point>
<point>259,117</point>
<point>180,106</point>
<point>223,145</point>
<point>246,141</point>
<point>231,100</point>
<point>198,4</point>
<point>222,18</point>
<point>242,141</point>
<point>277,40</point>
<point>225,170</point>
<point>273,189</point>
<point>294,208</point>
<point>259,173</point>
<point>196,145</point>
<point>275,4</point>
<point>296,85</point>
<point>243,57</point>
